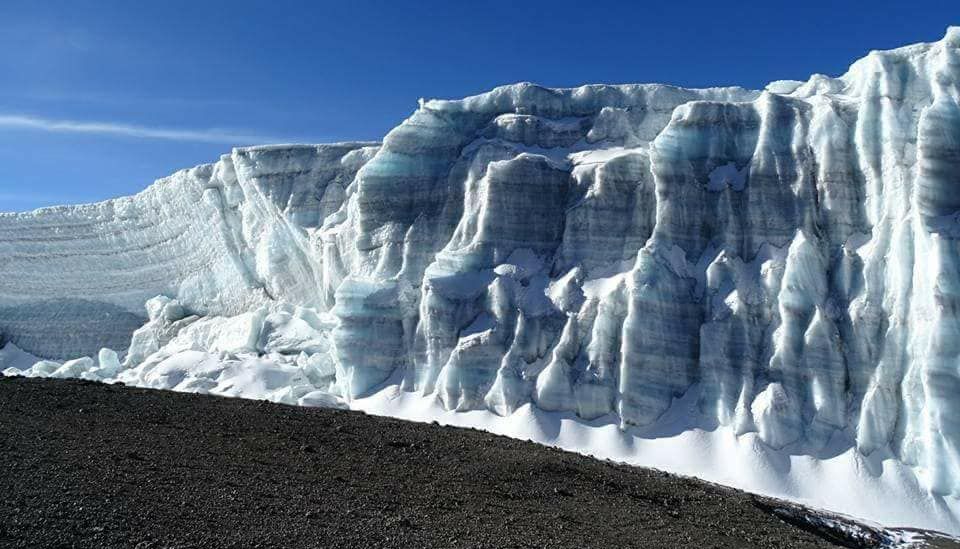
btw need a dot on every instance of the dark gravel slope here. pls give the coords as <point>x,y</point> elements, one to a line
<point>91,465</point>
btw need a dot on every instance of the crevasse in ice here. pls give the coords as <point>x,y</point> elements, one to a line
<point>792,255</point>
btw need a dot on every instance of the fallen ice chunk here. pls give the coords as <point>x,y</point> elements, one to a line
<point>74,368</point>
<point>321,399</point>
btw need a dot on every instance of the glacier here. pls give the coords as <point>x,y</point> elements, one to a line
<point>759,287</point>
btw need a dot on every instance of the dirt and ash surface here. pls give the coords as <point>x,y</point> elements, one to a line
<point>91,465</point>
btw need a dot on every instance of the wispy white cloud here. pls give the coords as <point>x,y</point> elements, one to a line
<point>135,131</point>
<point>25,197</point>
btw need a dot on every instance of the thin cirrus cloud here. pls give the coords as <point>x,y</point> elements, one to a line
<point>20,121</point>
<point>31,197</point>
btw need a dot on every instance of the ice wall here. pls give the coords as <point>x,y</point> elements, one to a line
<point>222,238</point>
<point>791,255</point>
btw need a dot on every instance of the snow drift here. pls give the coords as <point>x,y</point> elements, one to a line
<point>779,269</point>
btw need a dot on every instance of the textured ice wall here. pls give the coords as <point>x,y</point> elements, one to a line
<point>791,255</point>
<point>222,238</point>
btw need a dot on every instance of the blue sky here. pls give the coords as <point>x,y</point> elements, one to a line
<point>100,98</point>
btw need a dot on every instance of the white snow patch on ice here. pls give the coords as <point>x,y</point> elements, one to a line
<point>783,87</point>
<point>600,156</point>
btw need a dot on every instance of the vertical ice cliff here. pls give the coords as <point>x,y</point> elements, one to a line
<point>791,255</point>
